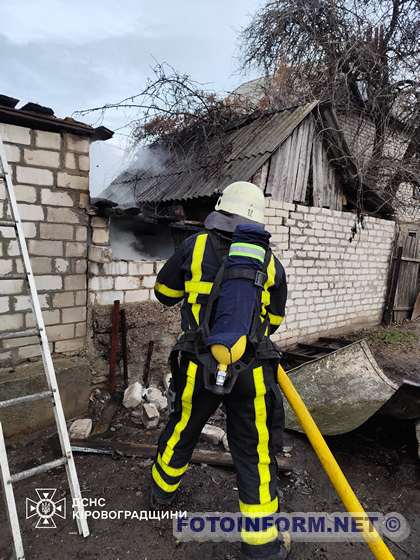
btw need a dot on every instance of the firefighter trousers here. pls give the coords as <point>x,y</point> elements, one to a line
<point>249,410</point>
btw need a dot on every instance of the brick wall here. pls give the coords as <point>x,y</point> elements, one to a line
<point>50,172</point>
<point>334,285</point>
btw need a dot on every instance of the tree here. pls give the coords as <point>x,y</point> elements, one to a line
<point>363,56</point>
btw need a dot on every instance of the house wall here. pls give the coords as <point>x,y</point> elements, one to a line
<point>50,172</point>
<point>334,285</point>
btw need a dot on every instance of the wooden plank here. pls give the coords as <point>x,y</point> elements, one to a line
<point>149,450</point>
<point>294,162</point>
<point>388,314</point>
<point>300,188</point>
<point>317,171</point>
<point>308,159</point>
<point>278,164</point>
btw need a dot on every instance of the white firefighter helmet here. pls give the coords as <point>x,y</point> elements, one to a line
<point>243,199</point>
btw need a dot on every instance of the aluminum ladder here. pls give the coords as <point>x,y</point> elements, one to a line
<point>52,394</point>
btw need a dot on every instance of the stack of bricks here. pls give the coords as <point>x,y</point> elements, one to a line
<point>50,172</point>
<point>110,280</point>
<point>334,284</point>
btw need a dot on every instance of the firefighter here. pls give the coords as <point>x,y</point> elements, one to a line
<point>190,276</point>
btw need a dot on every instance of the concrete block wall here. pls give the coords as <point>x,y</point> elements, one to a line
<point>127,281</point>
<point>50,172</point>
<point>334,285</point>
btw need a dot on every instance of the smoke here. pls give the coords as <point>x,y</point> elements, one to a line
<point>149,159</point>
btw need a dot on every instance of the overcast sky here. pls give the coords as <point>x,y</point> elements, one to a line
<point>76,54</point>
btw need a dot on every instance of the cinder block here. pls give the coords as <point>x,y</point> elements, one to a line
<point>127,283</point>
<point>60,332</point>
<point>134,296</point>
<point>4,305</point>
<point>115,268</point>
<point>81,329</point>
<point>63,215</point>
<point>42,158</point>
<point>61,265</point>
<point>75,282</point>
<point>73,314</point>
<point>11,286</point>
<point>56,231</point>
<point>100,236</point>
<point>80,266</point>
<point>108,298</point>
<point>31,212</point>
<point>40,265</point>
<point>13,153</point>
<point>6,266</point>
<point>50,316</point>
<point>34,176</point>
<point>50,140</point>
<point>46,248</point>
<point>64,299</point>
<point>83,163</point>
<point>77,182</point>
<point>67,346</point>
<point>84,200</point>
<point>100,254</point>
<point>99,283</point>
<point>76,249</point>
<point>99,222</point>
<point>15,134</point>
<point>77,143</point>
<point>23,303</point>
<point>11,322</point>
<point>25,193</point>
<point>70,160</point>
<point>140,268</point>
<point>54,198</point>
<point>48,282</point>
<point>149,281</point>
<point>81,233</point>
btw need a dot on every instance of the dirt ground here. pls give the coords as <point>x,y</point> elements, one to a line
<point>379,459</point>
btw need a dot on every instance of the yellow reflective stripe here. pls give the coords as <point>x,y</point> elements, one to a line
<point>186,401</point>
<point>161,483</point>
<point>196,272</point>
<point>271,276</point>
<point>275,319</point>
<point>167,291</point>
<point>260,537</point>
<point>191,286</point>
<point>171,471</point>
<point>263,437</point>
<point>259,510</point>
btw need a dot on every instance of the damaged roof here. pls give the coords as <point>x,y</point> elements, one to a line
<point>251,141</point>
<point>251,144</point>
<point>39,117</point>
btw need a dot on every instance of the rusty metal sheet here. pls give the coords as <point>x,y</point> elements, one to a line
<point>341,390</point>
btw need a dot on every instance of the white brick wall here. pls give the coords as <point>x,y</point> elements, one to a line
<point>334,284</point>
<point>53,209</point>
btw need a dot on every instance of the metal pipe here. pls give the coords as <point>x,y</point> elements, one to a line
<point>332,469</point>
<point>114,346</point>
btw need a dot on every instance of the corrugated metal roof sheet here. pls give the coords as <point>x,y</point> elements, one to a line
<point>250,146</point>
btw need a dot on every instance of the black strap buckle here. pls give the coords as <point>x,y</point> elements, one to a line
<point>260,279</point>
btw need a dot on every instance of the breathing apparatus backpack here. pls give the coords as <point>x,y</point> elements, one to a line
<point>231,337</point>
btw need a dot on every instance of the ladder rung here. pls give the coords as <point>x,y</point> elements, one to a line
<point>37,470</point>
<point>15,276</point>
<point>18,334</point>
<point>7,223</point>
<point>27,398</point>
